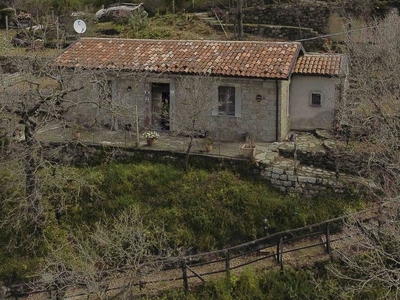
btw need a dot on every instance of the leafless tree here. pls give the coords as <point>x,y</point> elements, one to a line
<point>369,118</point>
<point>370,112</point>
<point>108,259</point>
<point>34,98</point>
<point>192,112</point>
<point>36,191</point>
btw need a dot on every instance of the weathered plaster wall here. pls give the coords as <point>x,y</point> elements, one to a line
<point>284,121</point>
<point>303,115</point>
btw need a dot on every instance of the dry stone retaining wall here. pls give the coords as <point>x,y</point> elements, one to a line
<point>310,182</point>
<point>305,14</point>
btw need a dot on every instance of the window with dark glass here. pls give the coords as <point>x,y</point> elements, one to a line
<point>316,99</point>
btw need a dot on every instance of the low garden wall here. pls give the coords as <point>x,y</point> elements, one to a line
<point>311,182</point>
<point>306,181</point>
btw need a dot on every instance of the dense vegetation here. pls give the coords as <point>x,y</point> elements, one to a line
<point>200,211</point>
<point>308,283</point>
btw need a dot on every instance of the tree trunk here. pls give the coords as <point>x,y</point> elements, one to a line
<point>36,212</point>
<point>187,154</point>
<point>240,19</point>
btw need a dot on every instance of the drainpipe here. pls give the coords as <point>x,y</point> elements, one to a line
<point>277,109</point>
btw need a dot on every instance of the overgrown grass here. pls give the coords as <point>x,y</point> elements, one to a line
<point>203,210</point>
<point>273,284</point>
<point>200,211</point>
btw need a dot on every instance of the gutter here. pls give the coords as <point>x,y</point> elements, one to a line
<point>277,110</point>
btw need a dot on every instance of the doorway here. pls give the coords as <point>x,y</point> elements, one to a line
<point>160,105</point>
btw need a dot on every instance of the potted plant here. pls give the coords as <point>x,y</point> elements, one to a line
<point>151,136</point>
<point>208,142</point>
<point>249,150</point>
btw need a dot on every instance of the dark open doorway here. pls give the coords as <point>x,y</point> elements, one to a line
<point>160,105</point>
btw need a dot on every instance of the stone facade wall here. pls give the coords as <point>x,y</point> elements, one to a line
<point>258,118</point>
<point>305,14</point>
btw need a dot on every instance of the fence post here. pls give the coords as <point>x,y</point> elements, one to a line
<point>184,276</point>
<point>7,36</point>
<point>328,242</point>
<point>281,253</point>
<point>278,245</point>
<point>227,262</point>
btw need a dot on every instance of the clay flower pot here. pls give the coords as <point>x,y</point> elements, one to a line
<point>150,142</point>
<point>249,150</point>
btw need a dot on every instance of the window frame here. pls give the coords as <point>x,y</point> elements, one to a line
<point>229,108</point>
<point>237,101</point>
<point>320,99</point>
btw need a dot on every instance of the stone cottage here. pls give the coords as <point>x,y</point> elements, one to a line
<point>262,89</point>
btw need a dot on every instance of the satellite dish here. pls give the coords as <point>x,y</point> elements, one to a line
<point>79,26</point>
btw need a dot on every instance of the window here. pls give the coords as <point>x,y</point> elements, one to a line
<point>226,100</point>
<point>316,99</point>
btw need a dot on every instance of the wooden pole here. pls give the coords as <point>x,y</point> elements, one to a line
<point>184,276</point>
<point>137,126</point>
<point>240,19</point>
<point>328,242</point>
<point>295,154</point>
<point>58,35</point>
<point>281,253</point>
<point>278,245</point>
<point>7,28</point>
<point>227,262</point>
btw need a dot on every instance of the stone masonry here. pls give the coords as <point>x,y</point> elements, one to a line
<point>302,176</point>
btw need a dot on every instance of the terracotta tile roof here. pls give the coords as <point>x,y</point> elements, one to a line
<point>227,58</point>
<point>319,64</point>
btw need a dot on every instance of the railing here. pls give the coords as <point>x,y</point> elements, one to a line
<point>204,265</point>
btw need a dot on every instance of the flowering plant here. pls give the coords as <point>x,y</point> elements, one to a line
<point>150,135</point>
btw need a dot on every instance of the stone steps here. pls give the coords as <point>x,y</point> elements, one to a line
<point>209,20</point>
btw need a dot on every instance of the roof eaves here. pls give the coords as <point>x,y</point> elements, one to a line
<point>300,51</point>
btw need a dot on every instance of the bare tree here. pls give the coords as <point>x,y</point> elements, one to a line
<point>370,111</point>
<point>34,99</point>
<point>192,111</point>
<point>107,260</point>
<point>369,120</point>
